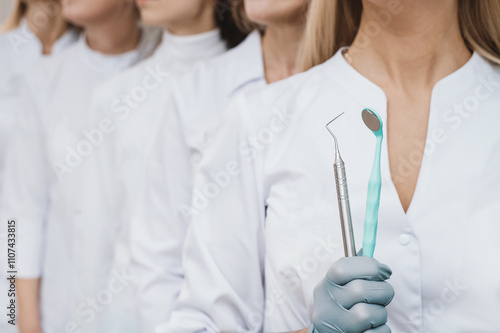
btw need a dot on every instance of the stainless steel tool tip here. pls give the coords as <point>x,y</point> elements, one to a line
<point>331,121</point>
<point>337,152</point>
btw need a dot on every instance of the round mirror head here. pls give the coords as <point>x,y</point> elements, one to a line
<point>371,120</point>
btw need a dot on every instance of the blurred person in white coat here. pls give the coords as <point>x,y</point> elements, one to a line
<point>44,164</point>
<point>195,106</point>
<point>268,240</point>
<point>194,30</point>
<point>33,31</point>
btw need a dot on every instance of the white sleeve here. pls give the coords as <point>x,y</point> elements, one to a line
<point>158,228</point>
<point>25,193</point>
<point>224,251</point>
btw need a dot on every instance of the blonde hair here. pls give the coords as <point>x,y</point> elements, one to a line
<point>333,24</point>
<point>15,17</point>
<point>480,26</point>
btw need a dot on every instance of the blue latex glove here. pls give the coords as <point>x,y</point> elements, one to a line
<point>352,297</point>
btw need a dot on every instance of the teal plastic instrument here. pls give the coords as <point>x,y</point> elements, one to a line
<point>374,123</point>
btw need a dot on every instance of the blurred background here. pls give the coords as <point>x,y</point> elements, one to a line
<point>5,6</point>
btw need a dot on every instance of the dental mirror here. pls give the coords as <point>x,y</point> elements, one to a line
<point>371,120</point>
<point>374,123</point>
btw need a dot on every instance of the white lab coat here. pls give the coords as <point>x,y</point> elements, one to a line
<point>265,236</point>
<point>194,109</point>
<point>134,100</point>
<point>20,51</point>
<point>44,182</point>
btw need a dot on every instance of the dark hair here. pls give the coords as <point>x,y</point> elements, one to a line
<point>241,18</point>
<point>230,30</point>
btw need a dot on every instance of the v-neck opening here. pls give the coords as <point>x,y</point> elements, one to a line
<point>436,90</point>
<point>419,175</point>
<point>446,84</point>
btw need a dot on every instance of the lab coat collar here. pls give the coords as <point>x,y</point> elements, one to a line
<point>248,63</point>
<point>69,37</point>
<point>446,90</point>
<point>111,64</point>
<point>462,81</point>
<point>353,82</point>
<point>195,46</point>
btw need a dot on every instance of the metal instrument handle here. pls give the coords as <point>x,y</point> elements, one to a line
<point>344,209</point>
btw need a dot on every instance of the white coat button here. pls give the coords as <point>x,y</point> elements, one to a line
<point>404,239</point>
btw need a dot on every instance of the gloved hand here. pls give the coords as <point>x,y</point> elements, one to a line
<point>352,297</point>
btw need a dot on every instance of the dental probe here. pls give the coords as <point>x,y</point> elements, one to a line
<point>343,199</point>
